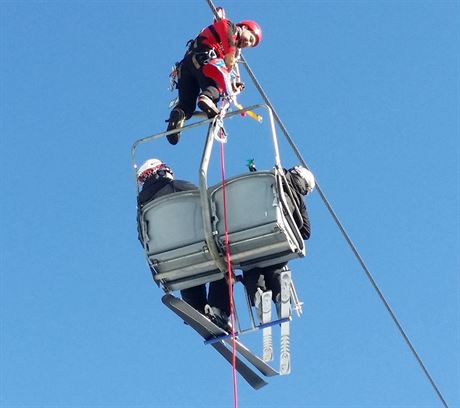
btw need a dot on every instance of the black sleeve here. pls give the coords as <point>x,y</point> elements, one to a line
<point>182,185</point>
<point>298,189</point>
<point>139,235</point>
<point>305,229</point>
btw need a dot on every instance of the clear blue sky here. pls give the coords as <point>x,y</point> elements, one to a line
<point>369,90</point>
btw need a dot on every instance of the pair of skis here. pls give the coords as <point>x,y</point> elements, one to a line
<point>263,305</point>
<point>209,331</point>
<point>220,340</point>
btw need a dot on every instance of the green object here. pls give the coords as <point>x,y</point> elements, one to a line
<point>250,165</point>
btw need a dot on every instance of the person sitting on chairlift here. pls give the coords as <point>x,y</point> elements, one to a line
<point>258,280</point>
<point>157,180</point>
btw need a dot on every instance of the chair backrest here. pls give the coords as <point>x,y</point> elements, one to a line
<point>172,230</point>
<point>260,233</point>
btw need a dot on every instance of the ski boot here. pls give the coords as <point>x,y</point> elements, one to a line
<point>218,317</point>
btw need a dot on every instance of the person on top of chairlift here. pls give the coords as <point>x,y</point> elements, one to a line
<point>257,280</point>
<point>157,180</point>
<point>206,66</point>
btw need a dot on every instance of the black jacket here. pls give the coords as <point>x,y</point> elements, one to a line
<point>299,189</point>
<point>155,188</point>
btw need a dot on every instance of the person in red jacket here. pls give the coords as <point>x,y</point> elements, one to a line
<point>206,67</point>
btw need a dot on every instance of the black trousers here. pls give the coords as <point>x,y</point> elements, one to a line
<point>195,297</point>
<point>218,296</point>
<point>191,82</point>
<point>265,278</point>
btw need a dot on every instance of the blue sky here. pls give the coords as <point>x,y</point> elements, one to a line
<point>369,91</point>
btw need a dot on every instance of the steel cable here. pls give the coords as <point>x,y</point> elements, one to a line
<point>339,224</point>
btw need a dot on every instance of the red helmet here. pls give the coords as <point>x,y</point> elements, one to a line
<point>254,27</point>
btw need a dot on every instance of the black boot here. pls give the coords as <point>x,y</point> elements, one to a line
<point>176,121</point>
<point>206,104</point>
<point>218,317</point>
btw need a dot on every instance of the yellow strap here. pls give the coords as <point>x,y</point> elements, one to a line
<point>251,114</point>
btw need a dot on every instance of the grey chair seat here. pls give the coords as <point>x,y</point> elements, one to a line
<point>259,232</point>
<point>172,229</point>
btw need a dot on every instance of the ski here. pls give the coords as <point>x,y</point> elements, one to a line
<point>202,326</point>
<point>267,342</point>
<point>216,331</point>
<point>257,362</point>
<point>219,333</point>
<point>285,311</point>
<point>263,306</point>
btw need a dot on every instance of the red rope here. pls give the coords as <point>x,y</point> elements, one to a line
<point>229,279</point>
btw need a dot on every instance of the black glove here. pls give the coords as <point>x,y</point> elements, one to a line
<point>238,86</point>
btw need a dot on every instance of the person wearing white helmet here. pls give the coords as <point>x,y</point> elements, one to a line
<point>157,180</point>
<point>301,182</point>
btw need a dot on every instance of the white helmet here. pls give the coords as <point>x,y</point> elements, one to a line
<point>153,167</point>
<point>308,176</point>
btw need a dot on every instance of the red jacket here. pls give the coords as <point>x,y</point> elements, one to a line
<point>221,36</point>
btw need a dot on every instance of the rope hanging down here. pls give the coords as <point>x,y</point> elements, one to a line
<point>339,224</point>
<point>221,136</point>
<point>229,279</point>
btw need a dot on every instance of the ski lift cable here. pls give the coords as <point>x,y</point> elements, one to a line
<point>339,224</point>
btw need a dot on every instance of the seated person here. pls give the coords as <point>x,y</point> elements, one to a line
<point>157,180</point>
<point>301,182</point>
